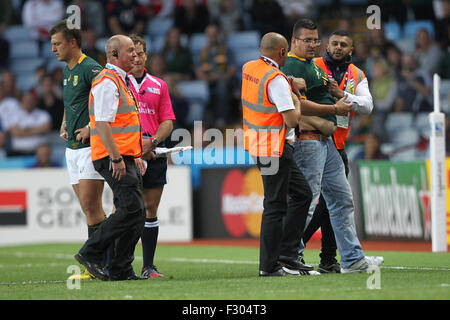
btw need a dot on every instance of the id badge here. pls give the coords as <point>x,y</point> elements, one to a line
<point>343,121</point>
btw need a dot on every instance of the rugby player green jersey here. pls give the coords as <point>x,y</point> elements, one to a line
<point>315,78</point>
<point>76,88</point>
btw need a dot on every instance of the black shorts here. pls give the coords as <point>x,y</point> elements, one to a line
<point>155,175</point>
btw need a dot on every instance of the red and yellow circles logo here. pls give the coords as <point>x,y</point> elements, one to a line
<point>242,202</point>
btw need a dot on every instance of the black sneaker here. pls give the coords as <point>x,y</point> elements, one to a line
<point>334,267</point>
<point>294,263</point>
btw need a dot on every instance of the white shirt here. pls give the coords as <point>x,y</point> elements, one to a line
<point>106,97</point>
<point>279,92</point>
<point>25,120</point>
<point>38,14</point>
<point>362,99</point>
<point>9,109</point>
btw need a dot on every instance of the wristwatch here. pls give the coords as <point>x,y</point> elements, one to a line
<point>154,141</point>
<point>117,160</point>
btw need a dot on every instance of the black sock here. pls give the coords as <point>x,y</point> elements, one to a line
<point>149,239</point>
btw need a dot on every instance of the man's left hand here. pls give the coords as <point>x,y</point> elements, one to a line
<point>82,134</point>
<point>333,88</point>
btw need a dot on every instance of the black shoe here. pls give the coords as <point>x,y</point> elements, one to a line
<point>334,267</point>
<point>294,263</point>
<point>130,276</point>
<point>93,268</point>
<point>279,273</point>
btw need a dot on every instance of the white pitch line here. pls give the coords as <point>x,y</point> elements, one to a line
<point>199,260</point>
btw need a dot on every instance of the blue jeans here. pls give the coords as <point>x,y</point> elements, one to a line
<point>324,170</point>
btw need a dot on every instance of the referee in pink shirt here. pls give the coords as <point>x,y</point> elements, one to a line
<point>156,116</point>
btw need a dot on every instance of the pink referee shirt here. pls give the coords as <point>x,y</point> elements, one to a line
<point>154,102</point>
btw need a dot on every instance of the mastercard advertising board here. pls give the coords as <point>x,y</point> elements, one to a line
<point>231,203</point>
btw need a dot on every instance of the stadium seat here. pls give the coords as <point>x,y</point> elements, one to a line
<point>243,40</point>
<point>422,123</point>
<point>26,66</point>
<point>53,63</point>
<point>25,82</point>
<point>398,121</point>
<point>243,56</point>
<point>156,45</point>
<point>445,95</point>
<point>100,44</point>
<point>392,31</point>
<point>411,27</point>
<point>196,92</point>
<point>196,43</point>
<point>24,49</point>
<point>46,50</point>
<point>159,27</point>
<point>405,137</point>
<point>406,45</point>
<point>17,33</point>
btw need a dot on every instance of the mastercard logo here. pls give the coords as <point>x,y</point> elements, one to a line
<point>242,201</point>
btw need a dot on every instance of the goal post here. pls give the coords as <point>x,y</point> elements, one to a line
<point>437,160</point>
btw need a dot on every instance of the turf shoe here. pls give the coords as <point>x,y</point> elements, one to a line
<point>85,275</point>
<point>363,264</point>
<point>93,268</point>
<point>334,267</point>
<point>151,272</point>
<point>294,263</point>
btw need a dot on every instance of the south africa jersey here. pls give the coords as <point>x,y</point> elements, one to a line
<point>315,78</point>
<point>76,87</point>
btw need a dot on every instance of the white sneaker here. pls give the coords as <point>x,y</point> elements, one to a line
<point>363,265</point>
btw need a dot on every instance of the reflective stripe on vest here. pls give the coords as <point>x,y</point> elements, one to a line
<point>263,124</point>
<point>355,76</point>
<point>126,128</point>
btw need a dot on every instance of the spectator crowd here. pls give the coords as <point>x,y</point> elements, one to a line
<point>190,43</point>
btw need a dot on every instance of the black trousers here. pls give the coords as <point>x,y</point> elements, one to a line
<point>321,219</point>
<point>287,198</point>
<point>125,226</point>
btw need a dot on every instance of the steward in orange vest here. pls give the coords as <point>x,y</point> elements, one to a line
<point>263,124</point>
<point>126,128</point>
<point>270,113</point>
<point>350,81</point>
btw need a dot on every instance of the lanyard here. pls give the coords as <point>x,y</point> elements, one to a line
<point>348,74</point>
<point>268,61</point>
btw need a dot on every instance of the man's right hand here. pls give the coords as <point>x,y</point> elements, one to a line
<point>342,107</point>
<point>63,132</point>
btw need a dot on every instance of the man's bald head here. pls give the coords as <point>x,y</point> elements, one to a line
<point>120,51</point>
<point>113,44</point>
<point>274,46</point>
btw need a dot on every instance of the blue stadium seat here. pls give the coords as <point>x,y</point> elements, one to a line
<point>100,44</point>
<point>398,121</point>
<point>422,123</point>
<point>26,66</point>
<point>26,82</point>
<point>156,45</point>
<point>53,63</point>
<point>411,27</point>
<point>159,27</point>
<point>392,31</point>
<point>196,92</point>
<point>17,33</point>
<point>197,42</point>
<point>46,50</point>
<point>243,56</point>
<point>243,40</point>
<point>445,95</point>
<point>24,49</point>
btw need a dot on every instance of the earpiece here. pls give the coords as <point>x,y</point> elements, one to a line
<point>115,53</point>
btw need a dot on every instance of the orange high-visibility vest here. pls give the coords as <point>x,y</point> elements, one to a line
<point>263,124</point>
<point>355,76</point>
<point>126,127</point>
